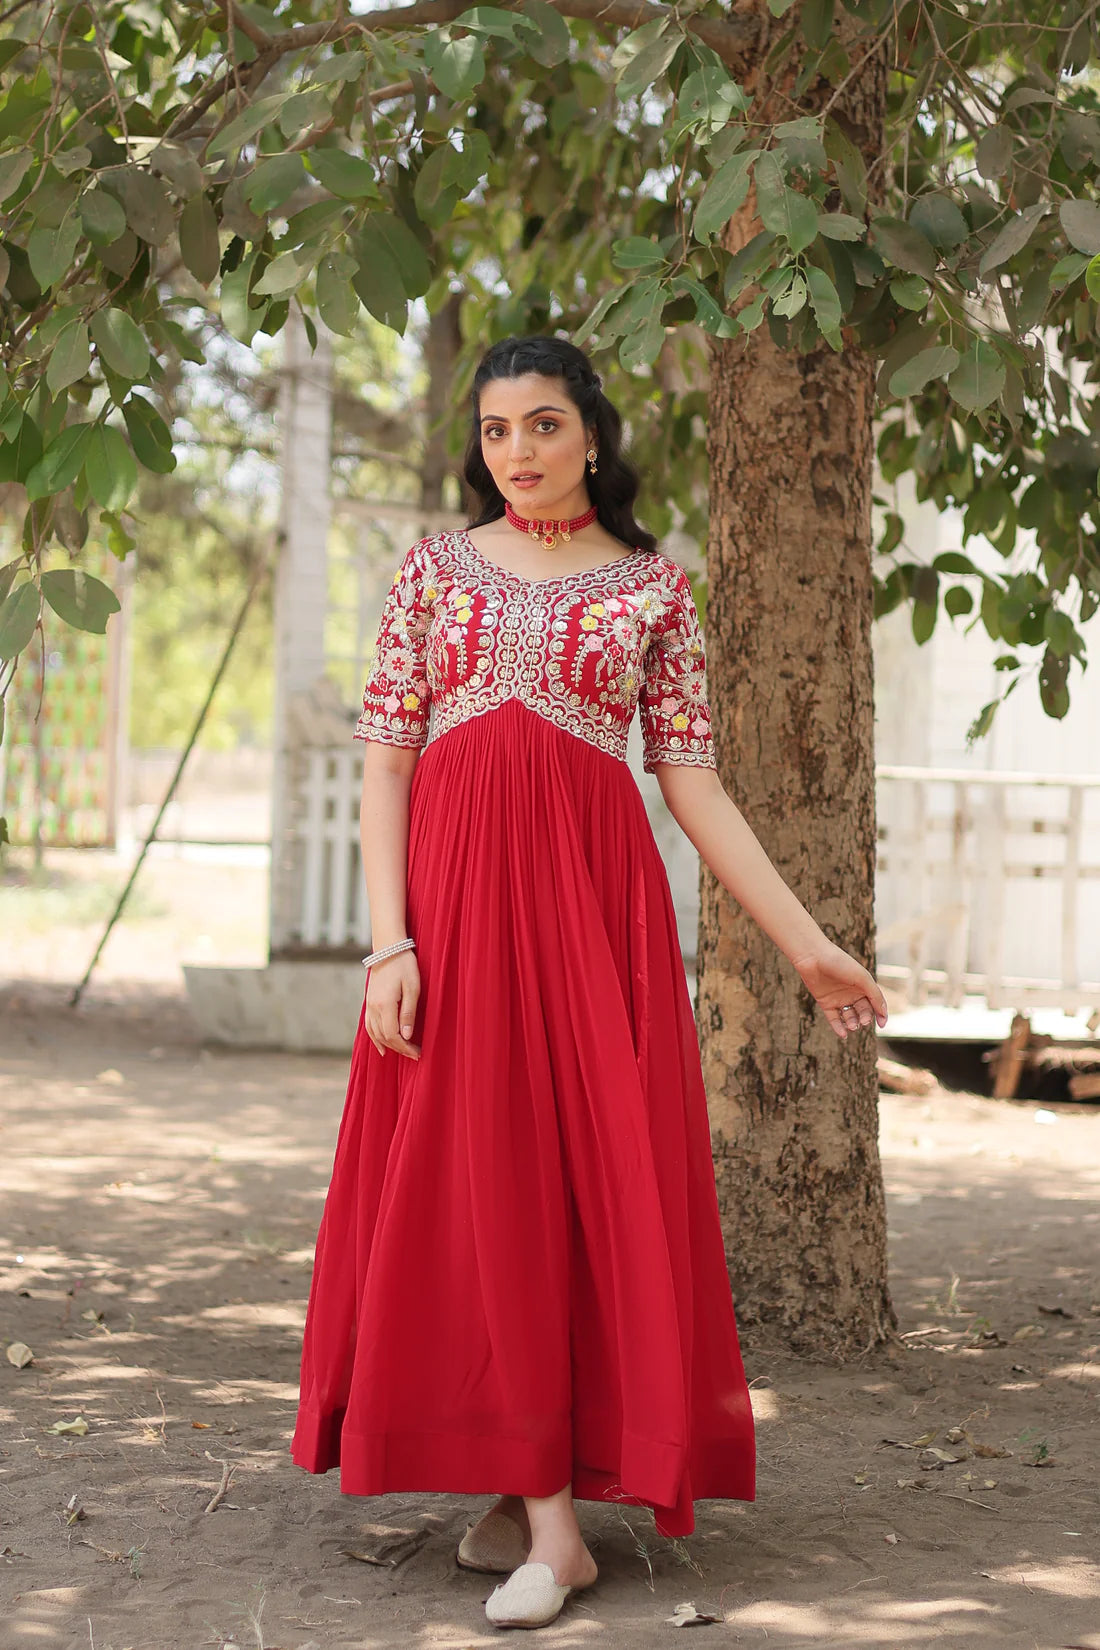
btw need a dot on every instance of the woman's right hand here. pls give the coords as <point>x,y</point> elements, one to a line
<point>389,1013</point>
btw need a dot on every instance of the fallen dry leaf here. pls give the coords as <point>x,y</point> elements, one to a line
<point>79,1426</point>
<point>19,1354</point>
<point>202,1426</point>
<point>988,1451</point>
<point>110,1076</point>
<point>1054,1311</point>
<point>892,1539</point>
<point>686,1615</point>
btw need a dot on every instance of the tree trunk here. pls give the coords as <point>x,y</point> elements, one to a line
<point>442,345</point>
<point>794,1108</point>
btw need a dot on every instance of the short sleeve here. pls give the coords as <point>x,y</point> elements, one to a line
<point>673,705</point>
<point>397,698</point>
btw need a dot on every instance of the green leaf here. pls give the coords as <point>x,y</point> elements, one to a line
<point>939,220</point>
<point>13,169</point>
<point>179,166</point>
<point>395,238</point>
<point>273,181</point>
<point>491,20</point>
<point>646,68</point>
<point>926,584</point>
<point>782,210</point>
<point>1061,633</point>
<point>82,601</point>
<point>145,202</point>
<point>50,251</point>
<point>637,252</point>
<point>1012,238</point>
<point>456,66</point>
<point>18,618</point>
<point>642,347</point>
<point>7,576</point>
<point>21,448</point>
<point>791,298</point>
<point>198,236</point>
<point>70,357</point>
<point>110,468</point>
<point>597,314</point>
<point>150,437</point>
<point>902,245</point>
<point>120,342</point>
<point>379,283</point>
<point>61,463</point>
<point>979,378</point>
<point>343,66</point>
<point>247,124</point>
<point>102,216</point>
<point>910,291</point>
<point>825,302</point>
<point>348,176</point>
<point>548,40</point>
<point>284,274</point>
<point>708,312</point>
<point>958,600</point>
<point>723,195</point>
<point>336,298</point>
<point>1068,268</point>
<point>1053,689</point>
<point>953,561</point>
<point>993,152</point>
<point>839,226</point>
<point>240,317</point>
<point>435,198</point>
<point>1080,222</point>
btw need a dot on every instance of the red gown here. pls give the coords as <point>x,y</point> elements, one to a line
<point>520,1279</point>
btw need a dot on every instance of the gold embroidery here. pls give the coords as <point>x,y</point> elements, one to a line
<point>460,636</point>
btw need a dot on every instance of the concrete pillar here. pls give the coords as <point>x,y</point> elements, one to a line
<point>301,596</point>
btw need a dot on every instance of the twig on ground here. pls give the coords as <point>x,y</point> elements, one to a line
<point>228,1469</point>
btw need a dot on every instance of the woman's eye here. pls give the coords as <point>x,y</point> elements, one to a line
<point>547,425</point>
<point>493,430</point>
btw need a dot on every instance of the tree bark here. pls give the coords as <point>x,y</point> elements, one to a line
<point>442,346</point>
<point>794,1109</point>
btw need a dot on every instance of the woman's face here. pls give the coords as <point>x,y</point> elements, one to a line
<point>534,441</point>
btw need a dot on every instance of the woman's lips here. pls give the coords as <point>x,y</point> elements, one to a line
<point>526,481</point>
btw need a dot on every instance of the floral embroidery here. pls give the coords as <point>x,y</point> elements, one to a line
<point>460,636</point>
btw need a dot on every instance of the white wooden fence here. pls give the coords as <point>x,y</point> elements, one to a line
<point>988,884</point>
<point>334,897</point>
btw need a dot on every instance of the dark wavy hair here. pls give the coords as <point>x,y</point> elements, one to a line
<point>613,488</point>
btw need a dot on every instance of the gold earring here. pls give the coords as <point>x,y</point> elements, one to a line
<point>590,455</point>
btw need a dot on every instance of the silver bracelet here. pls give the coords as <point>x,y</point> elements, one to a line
<point>387,951</point>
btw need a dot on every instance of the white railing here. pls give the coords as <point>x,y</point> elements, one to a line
<point>963,907</point>
<point>969,905</point>
<point>334,909</point>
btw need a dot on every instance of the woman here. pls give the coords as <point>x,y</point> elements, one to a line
<point>520,1284</point>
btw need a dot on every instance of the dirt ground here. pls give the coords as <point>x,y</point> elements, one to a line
<point>160,1203</point>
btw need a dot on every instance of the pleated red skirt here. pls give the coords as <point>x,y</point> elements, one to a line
<point>520,1279</point>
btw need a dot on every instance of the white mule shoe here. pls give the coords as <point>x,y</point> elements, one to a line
<point>494,1544</point>
<point>531,1597</point>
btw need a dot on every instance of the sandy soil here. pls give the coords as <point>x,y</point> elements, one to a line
<point>160,1207</point>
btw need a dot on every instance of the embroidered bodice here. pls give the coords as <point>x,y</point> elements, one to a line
<point>459,635</point>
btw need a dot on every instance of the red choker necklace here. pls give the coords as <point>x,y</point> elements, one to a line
<point>547,531</point>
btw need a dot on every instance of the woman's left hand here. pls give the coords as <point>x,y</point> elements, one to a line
<point>849,995</point>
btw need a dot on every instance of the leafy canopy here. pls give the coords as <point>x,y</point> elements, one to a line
<point>568,163</point>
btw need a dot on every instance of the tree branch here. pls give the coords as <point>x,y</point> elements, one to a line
<point>733,39</point>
